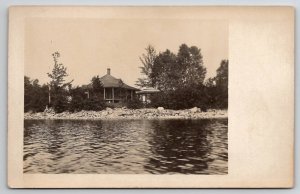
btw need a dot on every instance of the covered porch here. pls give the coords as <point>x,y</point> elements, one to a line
<point>145,94</point>
<point>117,94</point>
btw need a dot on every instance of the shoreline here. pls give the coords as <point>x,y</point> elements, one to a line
<point>124,113</point>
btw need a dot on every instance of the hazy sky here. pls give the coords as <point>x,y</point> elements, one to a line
<point>89,46</point>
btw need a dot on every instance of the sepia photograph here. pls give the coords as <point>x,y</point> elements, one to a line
<point>126,96</point>
<point>150,97</point>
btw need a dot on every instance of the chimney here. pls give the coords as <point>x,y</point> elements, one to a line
<point>108,71</point>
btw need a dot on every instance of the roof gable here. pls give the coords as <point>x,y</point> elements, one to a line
<point>110,81</point>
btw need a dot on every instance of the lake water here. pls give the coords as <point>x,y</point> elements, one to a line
<point>126,146</point>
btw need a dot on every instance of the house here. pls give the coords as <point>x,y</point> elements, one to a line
<point>115,90</point>
<point>145,93</point>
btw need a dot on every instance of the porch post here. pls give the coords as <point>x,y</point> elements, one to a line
<point>104,93</point>
<point>131,95</point>
<point>113,95</point>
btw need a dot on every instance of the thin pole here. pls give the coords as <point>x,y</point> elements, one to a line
<point>49,100</point>
<point>104,94</point>
<point>113,95</point>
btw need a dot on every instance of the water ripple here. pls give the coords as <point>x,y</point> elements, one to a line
<point>126,146</point>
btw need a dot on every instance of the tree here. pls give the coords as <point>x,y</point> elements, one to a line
<point>179,78</point>
<point>78,97</point>
<point>171,72</point>
<point>164,75</point>
<point>97,86</point>
<point>80,101</point>
<point>216,88</point>
<point>59,73</point>
<point>58,85</point>
<point>222,76</point>
<point>35,95</point>
<point>190,66</point>
<point>147,61</point>
<point>222,84</point>
<point>211,92</point>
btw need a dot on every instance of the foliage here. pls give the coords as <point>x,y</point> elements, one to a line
<point>180,78</point>
<point>172,72</point>
<point>182,98</point>
<point>59,101</point>
<point>211,92</point>
<point>94,103</point>
<point>59,73</point>
<point>135,103</point>
<point>78,96</point>
<point>190,66</point>
<point>165,74</point>
<point>35,95</point>
<point>58,86</point>
<point>217,87</point>
<point>222,84</point>
<point>147,61</point>
<point>87,98</point>
<point>97,86</point>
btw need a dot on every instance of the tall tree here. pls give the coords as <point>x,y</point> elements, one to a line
<point>184,70</point>
<point>222,84</point>
<point>222,76</point>
<point>147,60</point>
<point>164,75</point>
<point>180,78</point>
<point>59,73</point>
<point>58,85</point>
<point>190,66</point>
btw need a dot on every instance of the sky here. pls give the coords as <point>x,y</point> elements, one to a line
<point>89,46</point>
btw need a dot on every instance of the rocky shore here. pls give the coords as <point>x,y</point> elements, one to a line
<point>124,113</point>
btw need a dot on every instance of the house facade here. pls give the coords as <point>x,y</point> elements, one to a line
<point>115,90</point>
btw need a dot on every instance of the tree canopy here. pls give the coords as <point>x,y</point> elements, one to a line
<point>97,86</point>
<point>35,95</point>
<point>147,61</point>
<point>58,74</point>
<point>58,86</point>
<point>181,79</point>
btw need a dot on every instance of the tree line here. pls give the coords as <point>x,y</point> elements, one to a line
<point>61,95</point>
<point>181,79</point>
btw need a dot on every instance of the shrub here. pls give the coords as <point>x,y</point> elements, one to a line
<point>35,95</point>
<point>95,104</point>
<point>135,104</point>
<point>59,102</point>
<point>182,98</point>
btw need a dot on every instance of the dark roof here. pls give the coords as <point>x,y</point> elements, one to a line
<point>110,81</point>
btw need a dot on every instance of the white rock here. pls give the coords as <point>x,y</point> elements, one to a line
<point>194,110</point>
<point>160,108</point>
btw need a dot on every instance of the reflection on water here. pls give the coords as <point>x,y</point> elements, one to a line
<point>126,146</point>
